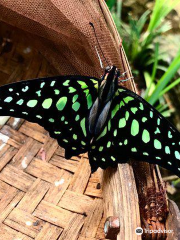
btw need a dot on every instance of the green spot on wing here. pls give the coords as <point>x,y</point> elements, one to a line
<point>61,103</point>
<point>8,99</point>
<point>52,83</point>
<point>109,125</point>
<point>144,119</point>
<point>20,102</point>
<point>108,144</point>
<point>121,90</point>
<point>66,83</point>
<point>32,103</point>
<point>114,111</point>
<point>101,148</point>
<point>47,103</point>
<point>145,136</point>
<point>115,132</point>
<point>83,84</point>
<point>25,89</point>
<point>134,110</point>
<point>56,91</point>
<point>151,114</point>
<point>82,124</point>
<point>122,104</point>
<point>113,158</point>
<point>57,132</point>
<point>95,83</point>
<point>141,106</point>
<point>77,118</point>
<point>134,127</point>
<point>103,133</point>
<point>71,90</point>
<point>86,92</point>
<point>167,150</point>
<point>74,136</point>
<point>177,155</point>
<point>157,131</point>
<point>127,99</point>
<point>76,106</point>
<point>39,93</point>
<point>51,120</point>
<point>127,115</point>
<point>75,98</point>
<point>169,134</point>
<point>122,123</point>
<point>42,84</point>
<point>157,144</point>
<point>134,149</point>
<point>89,101</point>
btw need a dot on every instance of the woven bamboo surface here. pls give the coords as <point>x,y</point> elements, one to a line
<point>43,196</point>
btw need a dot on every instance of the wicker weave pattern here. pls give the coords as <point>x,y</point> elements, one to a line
<point>42,195</point>
<point>60,30</point>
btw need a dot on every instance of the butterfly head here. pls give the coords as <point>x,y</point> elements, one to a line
<point>109,83</point>
<point>111,73</point>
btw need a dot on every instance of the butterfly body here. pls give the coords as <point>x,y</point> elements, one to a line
<point>101,107</point>
<point>86,114</point>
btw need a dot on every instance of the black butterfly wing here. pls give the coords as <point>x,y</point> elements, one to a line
<point>60,104</point>
<point>136,130</point>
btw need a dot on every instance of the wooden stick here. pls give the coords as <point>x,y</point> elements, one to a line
<point>119,187</point>
<point>120,191</point>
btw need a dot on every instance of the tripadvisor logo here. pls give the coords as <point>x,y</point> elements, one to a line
<point>158,231</point>
<point>139,231</point>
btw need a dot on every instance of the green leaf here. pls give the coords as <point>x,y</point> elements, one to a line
<point>111,3</point>
<point>162,107</point>
<point>119,8</point>
<point>143,19</point>
<point>165,79</point>
<point>155,61</point>
<point>149,84</point>
<point>167,113</point>
<point>160,11</point>
<point>170,86</point>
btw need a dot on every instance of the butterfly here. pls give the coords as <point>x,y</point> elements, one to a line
<point>86,114</point>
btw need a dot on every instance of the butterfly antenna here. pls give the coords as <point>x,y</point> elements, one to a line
<point>123,75</point>
<point>125,80</point>
<point>92,25</point>
<point>99,58</point>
